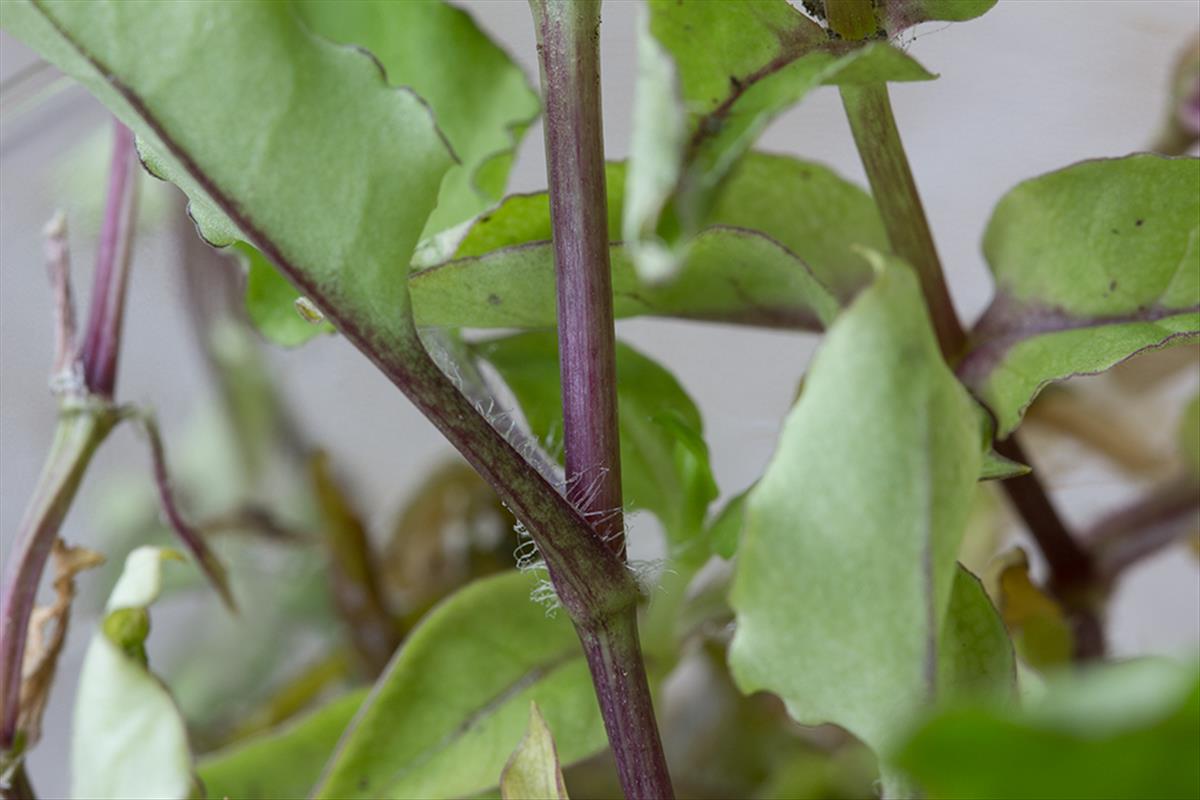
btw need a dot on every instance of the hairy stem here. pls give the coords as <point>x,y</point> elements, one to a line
<point>79,433</point>
<point>870,114</point>
<point>568,34</point>
<point>1073,575</point>
<point>568,43</point>
<point>101,343</point>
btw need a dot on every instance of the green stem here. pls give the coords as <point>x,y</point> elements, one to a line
<point>874,127</point>
<point>869,111</point>
<point>80,431</point>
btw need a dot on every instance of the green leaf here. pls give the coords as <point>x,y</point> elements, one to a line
<point>281,763</point>
<point>1127,730</point>
<point>896,15</point>
<point>480,97</point>
<point>280,139</point>
<point>442,721</point>
<point>711,76</point>
<point>271,302</point>
<point>532,773</point>
<point>128,737</point>
<point>726,530</point>
<point>846,569</point>
<point>782,235</point>
<point>664,459</point>
<point>1093,263</point>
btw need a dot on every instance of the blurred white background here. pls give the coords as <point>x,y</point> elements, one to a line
<point>1031,86</point>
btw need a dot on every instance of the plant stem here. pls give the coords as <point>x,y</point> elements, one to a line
<point>101,344</point>
<point>869,112</point>
<point>1073,575</point>
<point>568,43</point>
<point>568,35</point>
<point>76,438</point>
<point>1125,537</point>
<point>874,127</point>
<point>614,657</point>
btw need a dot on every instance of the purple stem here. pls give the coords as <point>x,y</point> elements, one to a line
<point>1073,575</point>
<point>568,42</point>
<point>1137,531</point>
<point>76,439</point>
<point>568,34</point>
<point>82,424</point>
<point>101,343</point>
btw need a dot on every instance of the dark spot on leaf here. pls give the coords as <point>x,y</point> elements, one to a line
<point>485,218</point>
<point>363,783</point>
<point>735,83</point>
<point>1114,230</point>
<point>1139,222</point>
<point>494,300</point>
<point>1112,286</point>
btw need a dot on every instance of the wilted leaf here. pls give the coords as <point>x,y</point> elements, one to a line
<point>532,772</point>
<point>1036,621</point>
<point>42,648</point>
<point>284,762</point>
<point>452,530</point>
<point>128,737</point>
<point>664,459</point>
<point>711,76</point>
<point>355,587</point>
<point>1127,730</point>
<point>849,603</point>
<point>1093,264</point>
<point>443,719</point>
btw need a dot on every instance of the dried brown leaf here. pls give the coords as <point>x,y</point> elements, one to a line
<point>47,633</point>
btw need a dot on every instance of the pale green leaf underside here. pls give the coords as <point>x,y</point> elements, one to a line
<point>445,716</point>
<point>480,98</point>
<point>532,773</point>
<point>782,238</point>
<point>283,763</point>
<point>1093,263</point>
<point>128,737</point>
<point>711,76</point>
<point>664,459</point>
<point>847,560</point>
<point>282,139</point>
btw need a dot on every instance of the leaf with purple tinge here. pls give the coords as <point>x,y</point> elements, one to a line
<point>711,76</point>
<point>314,159</point>
<point>896,15</point>
<point>481,99</point>
<point>1094,263</point>
<point>781,250</point>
